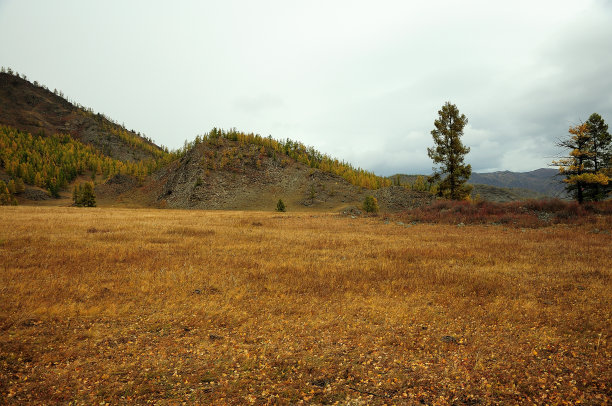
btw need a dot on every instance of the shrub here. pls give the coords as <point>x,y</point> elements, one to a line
<point>370,204</point>
<point>280,206</point>
<point>83,195</point>
<point>531,213</point>
<point>6,197</point>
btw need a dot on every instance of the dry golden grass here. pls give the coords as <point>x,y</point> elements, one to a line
<point>161,306</point>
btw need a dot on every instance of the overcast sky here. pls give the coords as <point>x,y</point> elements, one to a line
<point>359,80</point>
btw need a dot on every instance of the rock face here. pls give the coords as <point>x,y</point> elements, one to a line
<point>117,185</point>
<point>234,176</point>
<point>35,194</point>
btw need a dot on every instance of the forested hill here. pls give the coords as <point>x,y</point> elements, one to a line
<point>35,109</point>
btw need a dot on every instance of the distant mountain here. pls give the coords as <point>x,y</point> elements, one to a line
<point>503,194</point>
<point>505,186</point>
<point>542,181</point>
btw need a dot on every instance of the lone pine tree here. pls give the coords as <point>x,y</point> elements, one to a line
<point>449,153</point>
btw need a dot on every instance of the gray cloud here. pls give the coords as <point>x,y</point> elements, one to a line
<point>358,80</point>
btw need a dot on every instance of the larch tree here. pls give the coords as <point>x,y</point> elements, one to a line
<point>448,154</point>
<point>578,168</point>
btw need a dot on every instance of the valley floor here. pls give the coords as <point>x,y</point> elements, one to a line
<point>212,307</point>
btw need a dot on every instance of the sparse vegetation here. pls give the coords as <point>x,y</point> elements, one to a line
<point>173,306</point>
<point>529,213</point>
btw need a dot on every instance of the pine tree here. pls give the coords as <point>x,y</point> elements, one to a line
<point>5,195</point>
<point>19,185</point>
<point>600,158</point>
<point>88,196</point>
<point>11,187</point>
<point>83,195</point>
<point>280,206</point>
<point>449,154</point>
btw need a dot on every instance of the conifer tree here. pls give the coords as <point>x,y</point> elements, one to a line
<point>600,157</point>
<point>5,195</point>
<point>83,195</point>
<point>370,204</point>
<point>583,181</point>
<point>449,153</point>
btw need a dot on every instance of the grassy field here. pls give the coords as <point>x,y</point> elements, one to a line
<point>163,306</point>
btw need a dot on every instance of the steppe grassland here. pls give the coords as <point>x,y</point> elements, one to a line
<point>220,307</point>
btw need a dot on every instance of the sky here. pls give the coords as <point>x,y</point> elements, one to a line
<point>361,81</point>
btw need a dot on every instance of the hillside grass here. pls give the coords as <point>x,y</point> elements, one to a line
<point>211,307</point>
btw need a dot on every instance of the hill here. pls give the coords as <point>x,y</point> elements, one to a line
<point>543,181</point>
<point>233,170</point>
<point>50,143</point>
<point>502,194</point>
<point>33,108</point>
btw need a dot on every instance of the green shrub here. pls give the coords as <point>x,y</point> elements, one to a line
<point>370,204</point>
<point>83,195</point>
<point>280,206</point>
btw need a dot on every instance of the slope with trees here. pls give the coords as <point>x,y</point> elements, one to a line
<point>32,107</point>
<point>235,170</point>
<point>53,162</point>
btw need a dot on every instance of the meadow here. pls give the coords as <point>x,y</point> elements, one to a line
<point>213,307</point>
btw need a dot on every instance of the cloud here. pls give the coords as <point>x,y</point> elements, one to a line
<point>358,80</point>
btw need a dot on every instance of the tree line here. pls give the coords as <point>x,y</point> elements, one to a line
<point>52,162</point>
<point>299,152</point>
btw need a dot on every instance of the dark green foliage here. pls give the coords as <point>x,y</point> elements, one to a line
<point>587,168</point>
<point>19,186</point>
<point>280,206</point>
<point>198,182</point>
<point>84,195</point>
<point>370,204</point>
<point>600,159</point>
<point>449,153</point>
<point>6,198</point>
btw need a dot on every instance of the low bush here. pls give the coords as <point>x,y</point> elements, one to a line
<point>530,213</point>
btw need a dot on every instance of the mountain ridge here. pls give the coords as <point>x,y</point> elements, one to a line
<point>35,109</point>
<point>225,169</point>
